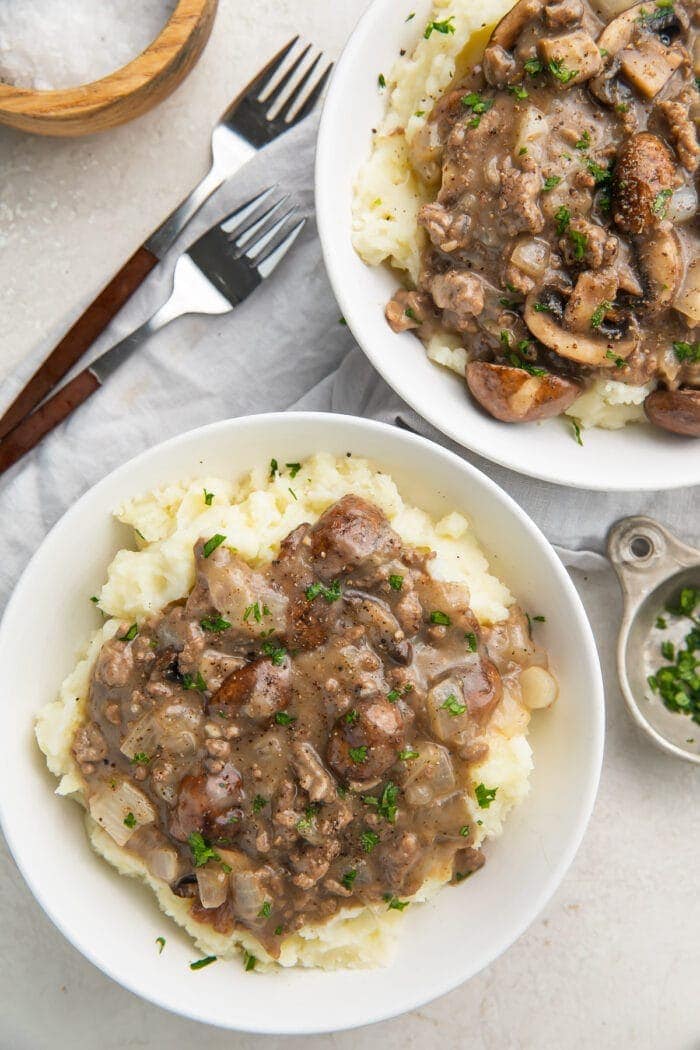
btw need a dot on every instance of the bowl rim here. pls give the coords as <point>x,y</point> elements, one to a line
<point>355,316</point>
<point>124,93</point>
<point>589,660</point>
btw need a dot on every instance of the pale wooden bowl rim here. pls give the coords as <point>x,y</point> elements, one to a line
<point>83,99</point>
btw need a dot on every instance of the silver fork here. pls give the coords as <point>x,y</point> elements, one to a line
<point>281,95</point>
<point>267,108</point>
<point>212,276</point>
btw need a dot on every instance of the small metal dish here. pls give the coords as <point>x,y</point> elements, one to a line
<point>652,567</point>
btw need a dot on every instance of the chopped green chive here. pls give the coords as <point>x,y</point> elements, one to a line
<point>211,544</point>
<point>484,795</point>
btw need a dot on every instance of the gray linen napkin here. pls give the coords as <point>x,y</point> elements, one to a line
<point>281,349</point>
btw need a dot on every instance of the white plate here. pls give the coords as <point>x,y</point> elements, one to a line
<point>638,457</point>
<point>114,921</point>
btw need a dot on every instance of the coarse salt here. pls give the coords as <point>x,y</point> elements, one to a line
<point>53,44</point>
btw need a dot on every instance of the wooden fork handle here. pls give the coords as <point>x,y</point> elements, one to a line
<point>80,337</point>
<point>34,427</point>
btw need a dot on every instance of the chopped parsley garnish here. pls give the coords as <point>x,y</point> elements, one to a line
<point>612,356</point>
<point>660,623</point>
<point>584,142</point>
<point>419,113</point>
<point>453,705</point>
<point>358,754</point>
<point>259,803</point>
<point>550,182</point>
<point>331,594</point>
<point>341,320</point>
<point>381,80</point>
<point>687,352</point>
<point>293,469</point>
<point>444,27</point>
<point>577,432</point>
<point>292,493</point>
<point>130,820</point>
<point>130,634</point>
<point>396,694</point>
<point>476,103</point>
<point>507,303</point>
<point>94,599</point>
<point>540,619</point>
<point>208,497</point>
<point>386,803</point>
<point>410,313</point>
<point>411,16</point>
<point>560,72</point>
<point>283,718</point>
<point>214,623</point>
<point>194,682</point>
<point>533,66</point>
<point>541,308</point>
<point>395,581</point>
<point>660,203</point>
<point>275,652</point>
<point>518,91</point>
<point>278,930</point>
<point>563,218</point>
<point>249,961</point>
<point>348,878</point>
<point>201,963</point>
<point>266,910</point>
<point>351,717</point>
<point>394,903</point>
<point>201,850</point>
<point>522,151</point>
<point>369,840</point>
<point>677,683</point>
<point>580,242</point>
<point>253,610</point>
<point>464,831</point>
<point>484,795</point>
<point>140,759</point>
<point>407,754</point>
<point>598,315</point>
<point>441,618</point>
<point>160,941</point>
<point>601,175</point>
<point>471,641</point>
<point>274,469</point>
<point>211,544</point>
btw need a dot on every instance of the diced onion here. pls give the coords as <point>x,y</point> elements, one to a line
<point>539,688</point>
<point>142,736</point>
<point>531,256</point>
<point>212,881</point>
<point>430,775</point>
<point>248,894</point>
<point>683,205</point>
<point>110,807</point>
<point>688,298</point>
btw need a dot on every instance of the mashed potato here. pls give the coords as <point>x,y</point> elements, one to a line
<point>388,192</point>
<point>255,513</point>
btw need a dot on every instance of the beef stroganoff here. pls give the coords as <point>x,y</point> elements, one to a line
<point>306,710</point>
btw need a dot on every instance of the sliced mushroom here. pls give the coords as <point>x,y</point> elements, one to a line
<point>586,349</point>
<point>661,262</point>
<point>617,37</point>
<point>688,299</point>
<point>675,410</point>
<point>514,396</point>
<point>575,53</point>
<point>594,288</point>
<point>645,176</point>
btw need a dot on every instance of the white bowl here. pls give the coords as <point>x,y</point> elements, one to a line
<point>114,922</point>
<point>638,457</point>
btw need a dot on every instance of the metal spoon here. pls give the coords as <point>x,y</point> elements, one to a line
<point>652,567</point>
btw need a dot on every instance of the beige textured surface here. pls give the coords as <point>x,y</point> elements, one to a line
<point>612,963</point>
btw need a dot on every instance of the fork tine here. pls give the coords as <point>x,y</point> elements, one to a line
<point>260,227</point>
<point>256,250</point>
<point>267,74</point>
<point>278,89</point>
<point>297,91</point>
<point>237,219</point>
<point>313,96</point>
<point>278,249</point>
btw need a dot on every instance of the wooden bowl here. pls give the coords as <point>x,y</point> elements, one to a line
<point>124,94</point>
